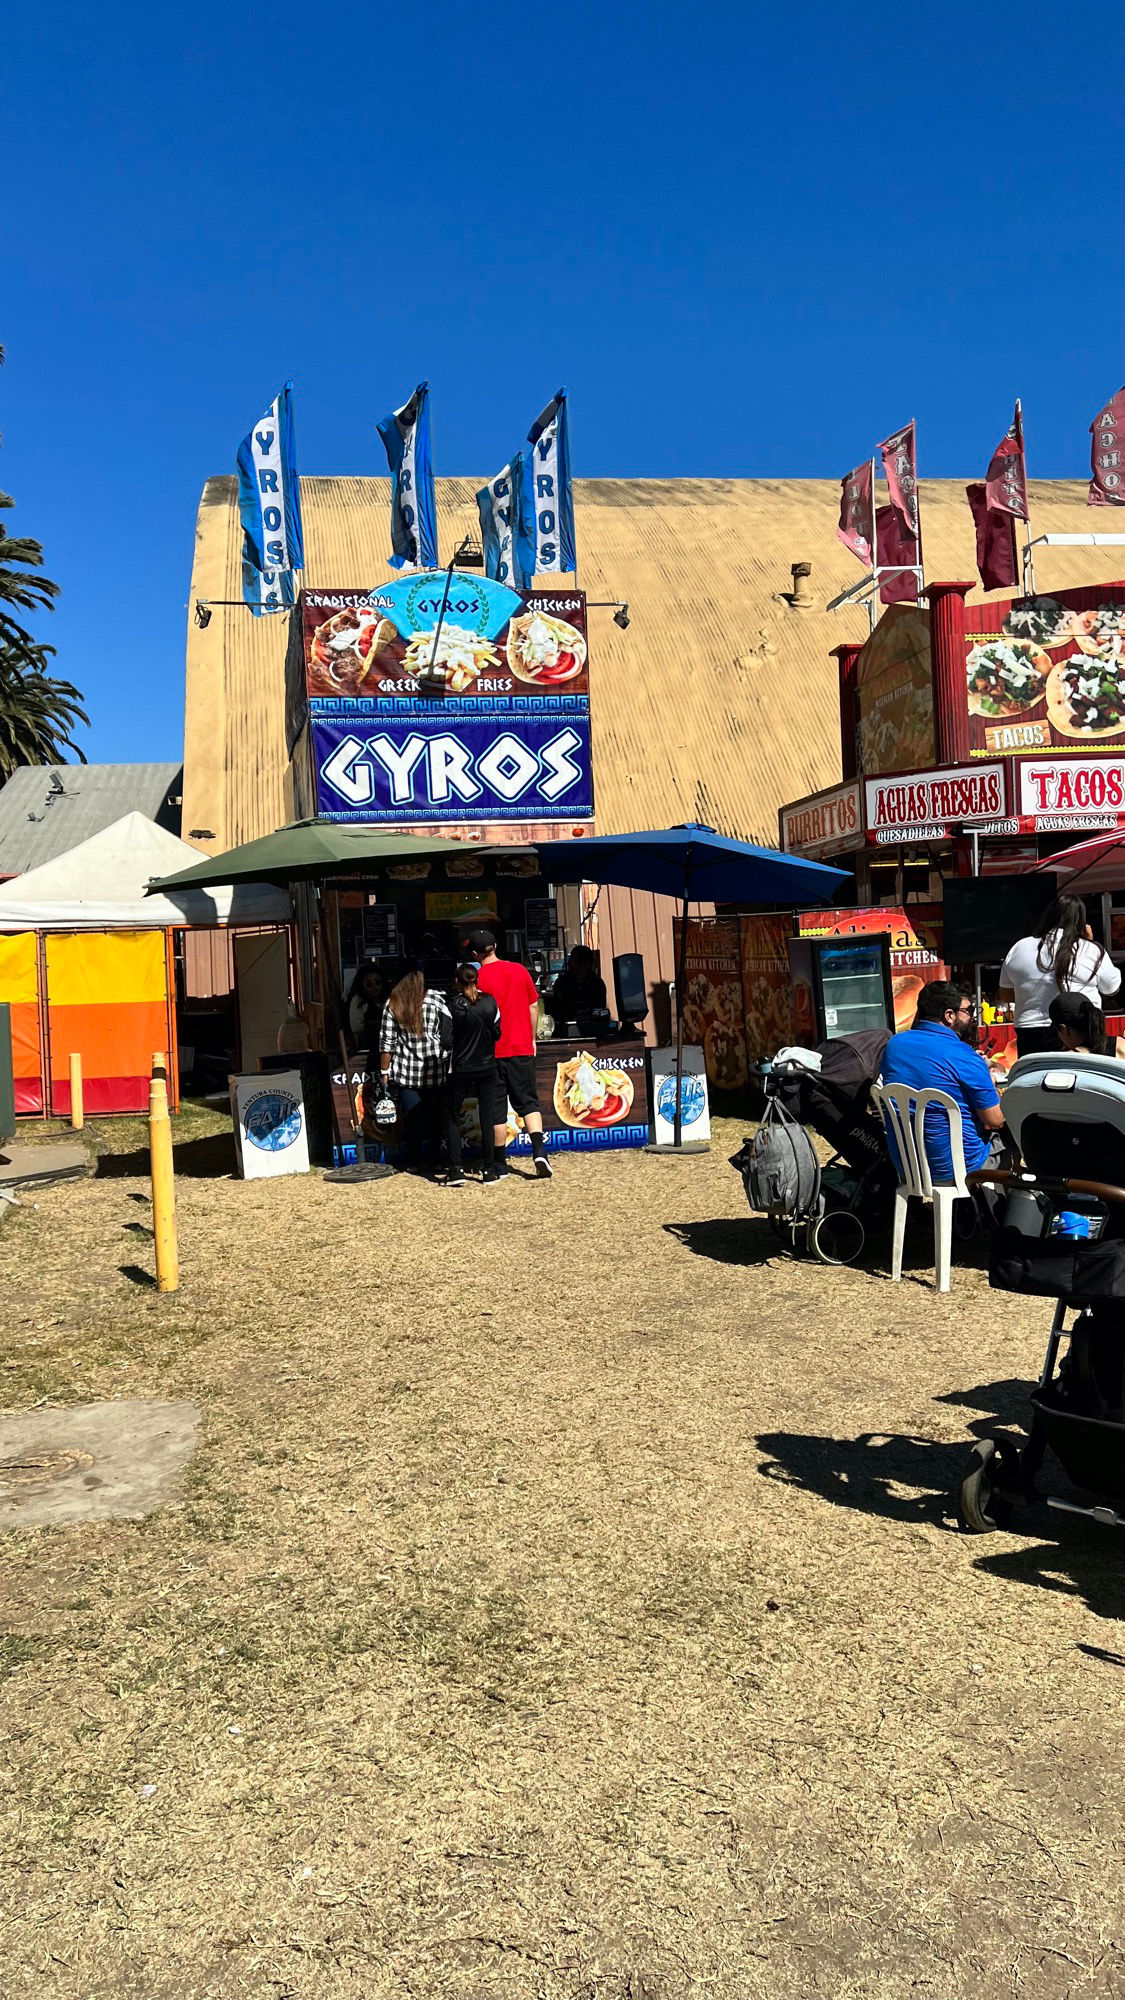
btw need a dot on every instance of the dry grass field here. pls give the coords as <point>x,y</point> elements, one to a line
<point>564,1601</point>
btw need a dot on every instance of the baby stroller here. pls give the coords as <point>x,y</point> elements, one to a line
<point>1061,1235</point>
<point>827,1209</point>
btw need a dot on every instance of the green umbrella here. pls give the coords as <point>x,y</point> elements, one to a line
<point>305,853</point>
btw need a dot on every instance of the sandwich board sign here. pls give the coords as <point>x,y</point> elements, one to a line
<point>270,1135</point>
<point>695,1110</point>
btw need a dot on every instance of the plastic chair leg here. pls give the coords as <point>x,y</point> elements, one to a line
<point>943,1235</point>
<point>902,1201</point>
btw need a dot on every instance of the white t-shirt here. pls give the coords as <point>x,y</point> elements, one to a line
<point>1029,970</point>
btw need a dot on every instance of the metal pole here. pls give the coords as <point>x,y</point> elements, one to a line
<point>677,1120</point>
<point>975,837</point>
<point>163,1180</point>
<point>77,1112</point>
<point>449,569</point>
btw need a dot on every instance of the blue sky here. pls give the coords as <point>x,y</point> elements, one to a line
<point>749,240</point>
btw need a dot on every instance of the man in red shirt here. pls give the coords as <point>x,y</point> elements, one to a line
<point>515,993</point>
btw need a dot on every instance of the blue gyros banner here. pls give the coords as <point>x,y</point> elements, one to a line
<point>269,499</point>
<point>406,435</point>
<point>266,590</point>
<point>498,506</point>
<point>545,514</point>
<point>455,761</point>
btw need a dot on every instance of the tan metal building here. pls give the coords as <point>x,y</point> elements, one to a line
<point>717,704</point>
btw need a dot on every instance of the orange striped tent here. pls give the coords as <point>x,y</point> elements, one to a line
<point>86,963</point>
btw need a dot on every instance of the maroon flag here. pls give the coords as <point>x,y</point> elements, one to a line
<point>997,556</point>
<point>1006,479</point>
<point>857,492</point>
<point>895,548</point>
<point>1107,455</point>
<point>899,464</point>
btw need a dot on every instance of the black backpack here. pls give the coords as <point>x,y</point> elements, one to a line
<point>779,1167</point>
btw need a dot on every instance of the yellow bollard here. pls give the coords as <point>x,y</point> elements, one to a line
<point>77,1114</point>
<point>163,1180</point>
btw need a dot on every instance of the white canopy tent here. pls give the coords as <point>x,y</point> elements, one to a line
<point>100,885</point>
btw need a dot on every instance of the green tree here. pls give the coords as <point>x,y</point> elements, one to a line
<point>38,712</point>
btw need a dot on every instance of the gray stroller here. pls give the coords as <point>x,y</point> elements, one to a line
<point>1061,1235</point>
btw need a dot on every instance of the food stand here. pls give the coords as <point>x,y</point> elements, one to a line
<point>975,740</point>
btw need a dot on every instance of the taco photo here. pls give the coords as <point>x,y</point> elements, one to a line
<point>1086,696</point>
<point>544,651</point>
<point>1006,676</point>
<point>588,1094</point>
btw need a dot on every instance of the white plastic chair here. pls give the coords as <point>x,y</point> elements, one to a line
<point>904,1111</point>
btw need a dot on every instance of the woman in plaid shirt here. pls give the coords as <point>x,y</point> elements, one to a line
<point>414,1044</point>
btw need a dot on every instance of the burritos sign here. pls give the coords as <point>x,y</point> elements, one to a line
<point>921,805</point>
<point>826,823</point>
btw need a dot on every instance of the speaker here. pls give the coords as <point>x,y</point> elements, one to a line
<point>629,986</point>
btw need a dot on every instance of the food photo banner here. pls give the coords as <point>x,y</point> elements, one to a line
<point>480,712</point>
<point>1046,673</point>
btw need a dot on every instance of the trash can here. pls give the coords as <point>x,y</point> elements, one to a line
<point>7,1081</point>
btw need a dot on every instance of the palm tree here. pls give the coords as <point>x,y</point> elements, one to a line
<point>37,711</point>
<point>21,587</point>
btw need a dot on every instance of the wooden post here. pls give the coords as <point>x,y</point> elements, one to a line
<point>163,1180</point>
<point>77,1112</point>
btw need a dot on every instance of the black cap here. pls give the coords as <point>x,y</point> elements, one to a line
<point>481,941</point>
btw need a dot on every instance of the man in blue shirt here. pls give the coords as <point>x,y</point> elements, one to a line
<point>935,1054</point>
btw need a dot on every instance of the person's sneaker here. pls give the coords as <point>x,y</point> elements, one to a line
<point>493,1179</point>
<point>543,1167</point>
<point>454,1180</point>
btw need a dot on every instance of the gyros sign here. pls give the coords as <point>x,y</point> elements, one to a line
<point>919,805</point>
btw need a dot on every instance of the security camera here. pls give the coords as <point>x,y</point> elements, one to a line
<point>621,617</point>
<point>203,614</point>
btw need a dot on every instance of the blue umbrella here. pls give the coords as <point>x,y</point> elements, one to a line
<point>693,863</point>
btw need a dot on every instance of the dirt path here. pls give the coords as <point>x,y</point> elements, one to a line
<point>562,1603</point>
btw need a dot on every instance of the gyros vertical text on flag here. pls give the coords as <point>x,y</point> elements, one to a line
<point>406,436</point>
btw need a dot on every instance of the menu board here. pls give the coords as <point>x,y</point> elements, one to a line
<point>1046,673</point>
<point>712,1001</point>
<point>439,698</point>
<point>767,985</point>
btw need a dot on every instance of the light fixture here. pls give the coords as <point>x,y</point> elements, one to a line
<point>617,605</point>
<point>203,613</point>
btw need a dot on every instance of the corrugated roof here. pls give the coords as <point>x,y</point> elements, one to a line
<point>46,809</point>
<point>718,703</point>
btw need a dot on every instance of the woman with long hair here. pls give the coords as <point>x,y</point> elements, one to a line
<point>476,1025</point>
<point>414,1044</point>
<point>1060,958</point>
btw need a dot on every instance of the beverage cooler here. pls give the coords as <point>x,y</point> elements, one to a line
<point>840,986</point>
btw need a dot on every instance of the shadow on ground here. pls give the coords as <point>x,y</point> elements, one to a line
<point>914,1479</point>
<point>206,1159</point>
<point>751,1239</point>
